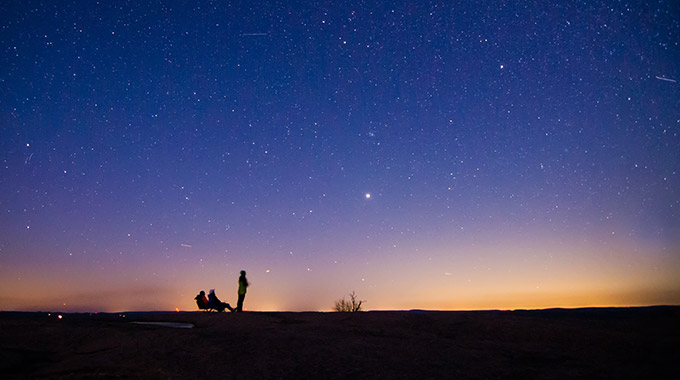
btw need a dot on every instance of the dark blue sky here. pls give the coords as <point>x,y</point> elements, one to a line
<point>159,148</point>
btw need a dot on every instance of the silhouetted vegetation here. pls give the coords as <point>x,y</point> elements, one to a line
<point>349,306</point>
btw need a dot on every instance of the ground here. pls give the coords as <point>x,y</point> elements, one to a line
<point>580,343</point>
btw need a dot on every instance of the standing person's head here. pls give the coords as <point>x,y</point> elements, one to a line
<point>243,281</point>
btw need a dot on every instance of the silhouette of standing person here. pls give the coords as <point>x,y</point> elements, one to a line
<point>242,288</point>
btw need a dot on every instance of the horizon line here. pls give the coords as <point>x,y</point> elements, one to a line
<point>333,311</point>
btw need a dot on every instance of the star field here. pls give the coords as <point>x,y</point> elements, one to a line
<point>426,155</point>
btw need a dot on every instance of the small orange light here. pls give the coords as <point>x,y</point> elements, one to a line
<point>177,309</point>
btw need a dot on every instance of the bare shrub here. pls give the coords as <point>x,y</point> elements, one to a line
<point>349,306</point>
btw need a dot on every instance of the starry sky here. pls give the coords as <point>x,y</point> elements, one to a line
<point>425,154</point>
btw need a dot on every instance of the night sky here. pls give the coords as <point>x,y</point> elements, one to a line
<point>424,154</point>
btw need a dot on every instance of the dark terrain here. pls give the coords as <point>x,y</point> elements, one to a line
<point>583,343</point>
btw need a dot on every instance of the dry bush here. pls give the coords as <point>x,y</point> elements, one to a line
<point>351,306</point>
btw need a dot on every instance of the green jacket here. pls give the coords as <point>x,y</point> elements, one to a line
<point>242,285</point>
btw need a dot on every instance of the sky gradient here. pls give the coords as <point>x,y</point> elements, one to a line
<point>428,155</point>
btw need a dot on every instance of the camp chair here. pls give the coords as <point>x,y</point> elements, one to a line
<point>216,304</point>
<point>204,306</point>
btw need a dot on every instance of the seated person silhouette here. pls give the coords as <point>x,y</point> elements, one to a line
<point>215,303</point>
<point>202,301</point>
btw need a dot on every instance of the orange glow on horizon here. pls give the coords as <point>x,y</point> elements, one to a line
<point>512,275</point>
